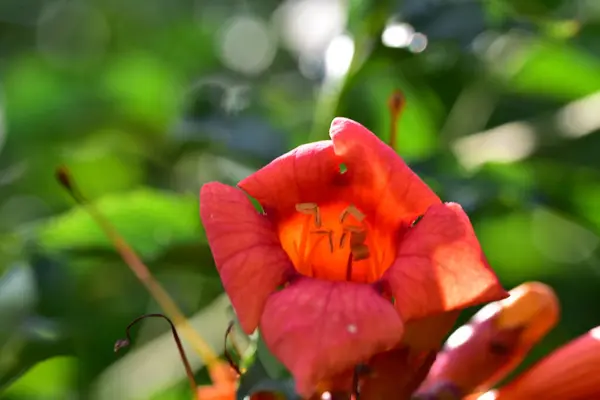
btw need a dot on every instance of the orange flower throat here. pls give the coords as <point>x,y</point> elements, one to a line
<point>336,242</point>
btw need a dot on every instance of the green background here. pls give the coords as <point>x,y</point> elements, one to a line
<point>146,100</point>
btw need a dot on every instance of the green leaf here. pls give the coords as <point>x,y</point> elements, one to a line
<point>264,372</point>
<point>144,89</point>
<point>52,378</point>
<point>367,17</point>
<point>149,220</point>
<point>24,338</point>
<point>272,365</point>
<point>555,69</point>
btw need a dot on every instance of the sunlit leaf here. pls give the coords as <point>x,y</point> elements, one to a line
<point>555,69</point>
<point>53,378</point>
<point>149,220</point>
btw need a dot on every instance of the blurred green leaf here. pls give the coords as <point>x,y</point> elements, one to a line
<point>25,339</point>
<point>554,69</point>
<point>49,379</point>
<point>368,17</point>
<point>533,8</point>
<point>146,108</point>
<point>274,368</point>
<point>149,220</point>
<point>144,89</point>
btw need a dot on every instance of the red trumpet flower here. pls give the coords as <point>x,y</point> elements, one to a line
<point>339,236</point>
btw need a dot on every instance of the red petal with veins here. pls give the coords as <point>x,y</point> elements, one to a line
<point>308,174</point>
<point>319,329</point>
<point>440,266</point>
<point>246,249</point>
<point>382,184</point>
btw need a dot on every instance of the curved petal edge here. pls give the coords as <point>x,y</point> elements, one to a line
<point>320,329</point>
<point>307,174</point>
<point>381,183</point>
<point>246,250</point>
<point>440,266</point>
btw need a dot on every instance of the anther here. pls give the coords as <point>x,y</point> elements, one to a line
<point>306,208</point>
<point>343,239</point>
<point>357,238</point>
<point>360,252</point>
<point>310,209</point>
<point>351,210</point>
<point>353,228</point>
<point>356,231</point>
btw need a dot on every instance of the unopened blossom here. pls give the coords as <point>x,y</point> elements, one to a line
<point>495,341</point>
<point>569,373</point>
<point>337,263</point>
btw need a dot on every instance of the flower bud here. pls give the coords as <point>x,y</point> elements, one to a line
<point>495,341</point>
<point>569,373</point>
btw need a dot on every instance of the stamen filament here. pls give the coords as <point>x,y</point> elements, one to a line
<point>349,268</point>
<point>329,234</point>
<point>307,262</point>
<point>343,239</point>
<point>304,243</point>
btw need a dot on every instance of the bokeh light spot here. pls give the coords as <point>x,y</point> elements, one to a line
<point>247,45</point>
<point>338,56</point>
<point>397,35</point>
<point>418,43</point>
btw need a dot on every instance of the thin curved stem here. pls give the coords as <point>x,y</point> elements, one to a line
<point>119,344</point>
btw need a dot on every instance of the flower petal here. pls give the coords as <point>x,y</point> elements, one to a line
<point>570,373</point>
<point>440,266</point>
<point>307,174</point>
<point>396,374</point>
<point>246,249</point>
<point>319,329</point>
<point>382,184</point>
<point>429,333</point>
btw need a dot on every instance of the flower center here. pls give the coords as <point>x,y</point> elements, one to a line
<point>336,242</point>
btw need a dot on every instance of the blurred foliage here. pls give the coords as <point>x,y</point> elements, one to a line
<point>147,100</point>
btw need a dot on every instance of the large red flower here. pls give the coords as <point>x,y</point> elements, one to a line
<point>338,236</point>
